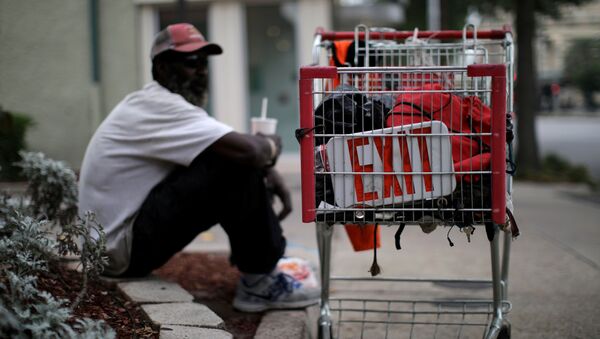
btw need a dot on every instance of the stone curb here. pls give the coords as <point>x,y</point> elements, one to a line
<point>289,324</point>
<point>172,308</point>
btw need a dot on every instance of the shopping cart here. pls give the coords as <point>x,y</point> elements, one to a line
<point>409,128</point>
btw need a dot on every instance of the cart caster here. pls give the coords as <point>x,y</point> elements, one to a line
<point>501,332</point>
<point>325,330</point>
<point>504,332</point>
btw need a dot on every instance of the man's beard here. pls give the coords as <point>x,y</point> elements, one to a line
<point>193,90</point>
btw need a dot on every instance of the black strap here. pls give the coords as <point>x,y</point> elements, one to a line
<point>375,269</point>
<point>302,132</point>
<point>398,234</point>
<point>490,230</point>
<point>448,237</point>
<point>511,168</point>
<point>514,229</point>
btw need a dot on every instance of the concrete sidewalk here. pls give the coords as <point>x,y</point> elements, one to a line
<point>554,282</point>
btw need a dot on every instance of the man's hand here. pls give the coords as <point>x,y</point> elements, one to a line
<point>275,145</point>
<point>276,185</point>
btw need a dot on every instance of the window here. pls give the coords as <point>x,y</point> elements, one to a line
<point>272,68</point>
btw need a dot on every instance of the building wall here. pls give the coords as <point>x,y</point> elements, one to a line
<point>120,53</point>
<point>46,68</point>
<point>556,35</point>
<point>45,72</point>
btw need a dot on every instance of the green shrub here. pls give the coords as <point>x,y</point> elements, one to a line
<point>25,245</point>
<point>13,128</point>
<point>31,313</point>
<point>558,169</point>
<point>52,186</point>
<point>583,65</point>
<point>30,244</point>
<point>27,249</point>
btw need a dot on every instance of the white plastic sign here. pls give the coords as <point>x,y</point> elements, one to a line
<point>392,165</point>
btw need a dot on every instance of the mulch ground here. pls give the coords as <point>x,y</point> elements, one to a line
<point>211,279</point>
<point>207,276</point>
<point>102,301</point>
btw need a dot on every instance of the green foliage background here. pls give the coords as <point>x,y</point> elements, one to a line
<point>582,63</point>
<point>13,128</point>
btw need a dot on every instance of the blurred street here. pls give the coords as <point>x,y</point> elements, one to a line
<point>575,138</point>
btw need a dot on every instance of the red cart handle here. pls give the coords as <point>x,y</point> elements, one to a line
<point>497,34</point>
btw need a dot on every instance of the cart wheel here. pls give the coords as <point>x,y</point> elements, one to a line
<point>325,332</point>
<point>325,328</point>
<point>504,332</point>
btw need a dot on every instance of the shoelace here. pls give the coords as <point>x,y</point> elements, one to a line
<point>284,283</point>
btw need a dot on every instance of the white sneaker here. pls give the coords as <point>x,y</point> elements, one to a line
<point>277,290</point>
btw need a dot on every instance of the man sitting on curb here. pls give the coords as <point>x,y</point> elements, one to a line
<point>159,171</point>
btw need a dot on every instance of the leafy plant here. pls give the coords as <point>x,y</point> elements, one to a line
<point>52,186</point>
<point>91,254</point>
<point>25,246</point>
<point>28,248</point>
<point>584,68</point>
<point>31,313</point>
<point>9,205</point>
<point>557,169</point>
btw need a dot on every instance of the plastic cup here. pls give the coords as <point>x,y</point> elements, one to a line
<point>265,126</point>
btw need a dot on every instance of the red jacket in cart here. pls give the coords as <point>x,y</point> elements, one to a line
<point>462,115</point>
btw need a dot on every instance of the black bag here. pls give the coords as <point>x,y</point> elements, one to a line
<point>347,112</point>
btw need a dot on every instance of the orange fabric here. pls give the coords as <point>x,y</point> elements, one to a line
<point>361,237</point>
<point>339,59</point>
<point>341,52</point>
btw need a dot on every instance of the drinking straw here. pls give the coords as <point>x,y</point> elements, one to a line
<point>263,111</point>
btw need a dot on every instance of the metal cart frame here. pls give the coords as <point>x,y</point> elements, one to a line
<point>499,77</point>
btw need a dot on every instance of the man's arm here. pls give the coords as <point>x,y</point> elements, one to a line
<point>254,150</point>
<point>259,151</point>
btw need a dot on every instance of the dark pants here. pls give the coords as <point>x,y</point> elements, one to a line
<point>193,199</point>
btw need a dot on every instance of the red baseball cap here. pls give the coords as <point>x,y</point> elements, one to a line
<point>182,37</point>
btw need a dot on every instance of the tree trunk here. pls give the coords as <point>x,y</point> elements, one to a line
<point>528,158</point>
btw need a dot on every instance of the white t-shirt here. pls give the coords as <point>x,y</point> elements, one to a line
<point>140,142</point>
